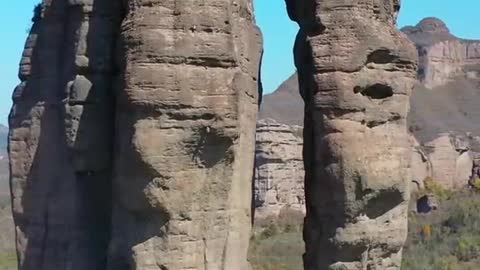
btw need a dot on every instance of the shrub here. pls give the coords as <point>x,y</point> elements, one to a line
<point>270,231</point>
<point>432,186</point>
<point>288,220</point>
<point>476,183</point>
<point>454,242</point>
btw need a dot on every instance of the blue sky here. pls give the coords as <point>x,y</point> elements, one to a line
<point>461,16</point>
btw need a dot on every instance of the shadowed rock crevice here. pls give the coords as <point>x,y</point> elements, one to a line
<point>376,91</point>
<point>212,148</point>
<point>383,202</point>
<point>381,56</point>
<point>60,139</point>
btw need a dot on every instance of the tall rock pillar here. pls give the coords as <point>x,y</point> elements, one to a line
<point>60,142</point>
<point>185,134</point>
<point>356,73</point>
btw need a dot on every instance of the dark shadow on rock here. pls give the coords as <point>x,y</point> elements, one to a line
<point>65,207</point>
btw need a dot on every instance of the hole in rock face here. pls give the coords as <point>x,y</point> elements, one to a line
<point>425,205</point>
<point>381,56</point>
<point>385,201</point>
<point>376,91</point>
<point>421,73</point>
<point>212,148</point>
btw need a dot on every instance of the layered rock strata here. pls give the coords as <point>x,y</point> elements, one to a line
<point>132,135</point>
<point>279,173</point>
<point>186,112</point>
<point>356,73</point>
<point>443,57</point>
<point>61,131</point>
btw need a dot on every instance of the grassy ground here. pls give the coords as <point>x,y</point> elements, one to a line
<point>279,252</point>
<point>8,258</point>
<point>8,261</point>
<point>452,241</point>
<point>447,239</point>
<point>277,242</point>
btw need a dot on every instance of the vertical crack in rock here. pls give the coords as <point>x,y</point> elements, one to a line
<point>357,148</point>
<point>60,142</point>
<point>185,132</point>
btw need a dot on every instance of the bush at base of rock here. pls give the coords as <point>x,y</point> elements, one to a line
<point>454,242</point>
<point>288,220</point>
<point>446,239</point>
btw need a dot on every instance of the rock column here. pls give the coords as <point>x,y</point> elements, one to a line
<point>356,73</point>
<point>60,142</point>
<point>185,134</point>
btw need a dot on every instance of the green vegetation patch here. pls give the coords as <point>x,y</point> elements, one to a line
<point>277,242</point>
<point>446,239</point>
<point>8,261</point>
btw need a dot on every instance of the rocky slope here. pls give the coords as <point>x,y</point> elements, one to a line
<point>444,113</point>
<point>285,104</point>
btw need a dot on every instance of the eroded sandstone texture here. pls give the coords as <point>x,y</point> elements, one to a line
<point>186,112</point>
<point>356,73</point>
<point>279,173</point>
<point>153,102</point>
<point>443,57</point>
<point>61,136</point>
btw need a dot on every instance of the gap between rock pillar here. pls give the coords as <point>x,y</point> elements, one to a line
<point>185,133</point>
<point>356,73</point>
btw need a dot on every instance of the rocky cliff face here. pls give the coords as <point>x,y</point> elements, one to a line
<point>279,173</point>
<point>444,112</point>
<point>356,73</point>
<point>132,135</point>
<point>443,57</point>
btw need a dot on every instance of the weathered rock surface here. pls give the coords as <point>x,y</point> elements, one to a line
<point>185,134</point>
<point>132,135</point>
<point>420,166</point>
<point>445,159</point>
<point>60,140</point>
<point>356,73</point>
<point>279,173</point>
